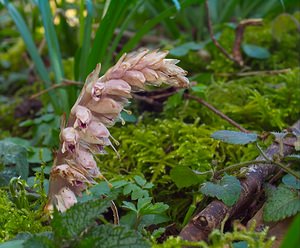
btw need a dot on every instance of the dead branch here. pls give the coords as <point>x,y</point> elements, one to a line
<point>217,112</point>
<point>211,217</point>
<point>236,55</point>
<point>239,35</point>
<point>64,83</point>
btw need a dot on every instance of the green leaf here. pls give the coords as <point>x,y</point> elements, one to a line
<point>129,205</point>
<point>282,24</point>
<point>153,219</point>
<point>281,203</point>
<point>140,181</point>
<point>183,49</point>
<point>128,117</point>
<point>233,137</point>
<point>292,237</point>
<point>183,176</point>
<point>157,208</point>
<point>76,219</point>
<point>13,244</point>
<point>85,30</point>
<point>291,181</point>
<point>12,154</point>
<point>174,100</point>
<point>109,236</point>
<point>240,244</point>
<point>54,51</point>
<point>136,191</point>
<point>255,52</point>
<point>143,202</point>
<point>228,190</point>
<point>114,14</point>
<point>119,36</point>
<point>38,241</point>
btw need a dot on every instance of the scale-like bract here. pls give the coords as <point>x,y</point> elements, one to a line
<point>98,106</point>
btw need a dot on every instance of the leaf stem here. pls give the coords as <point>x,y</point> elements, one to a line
<point>241,164</point>
<point>279,164</point>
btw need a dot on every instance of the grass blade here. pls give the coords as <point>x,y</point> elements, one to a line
<point>32,50</point>
<point>54,51</point>
<point>119,35</point>
<point>84,39</point>
<point>151,23</point>
<point>104,34</point>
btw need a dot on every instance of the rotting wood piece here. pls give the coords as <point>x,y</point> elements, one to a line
<point>211,217</point>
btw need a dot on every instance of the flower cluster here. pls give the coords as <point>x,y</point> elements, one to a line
<point>98,107</point>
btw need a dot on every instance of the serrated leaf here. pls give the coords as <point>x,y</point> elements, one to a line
<point>143,202</point>
<point>37,241</point>
<point>256,52</point>
<point>140,181</point>
<point>233,137</point>
<point>148,186</point>
<point>153,219</point>
<point>76,219</point>
<point>183,176</point>
<point>129,205</point>
<point>281,203</point>
<point>109,236</point>
<point>12,154</point>
<point>156,208</point>
<point>228,190</point>
<point>291,181</point>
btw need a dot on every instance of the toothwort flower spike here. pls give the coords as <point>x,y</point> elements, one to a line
<point>99,106</point>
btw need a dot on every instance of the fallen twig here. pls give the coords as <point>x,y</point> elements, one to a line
<point>64,83</point>
<point>212,216</point>
<point>217,112</point>
<point>236,55</point>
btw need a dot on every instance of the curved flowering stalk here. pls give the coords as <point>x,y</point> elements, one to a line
<point>98,106</point>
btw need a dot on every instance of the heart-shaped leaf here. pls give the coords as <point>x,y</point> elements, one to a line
<point>228,190</point>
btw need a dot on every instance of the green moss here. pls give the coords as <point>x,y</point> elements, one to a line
<point>14,220</point>
<point>284,51</point>
<point>259,102</point>
<point>153,149</point>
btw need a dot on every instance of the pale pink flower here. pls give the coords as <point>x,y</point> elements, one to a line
<point>105,106</point>
<point>73,176</point>
<point>86,159</point>
<point>116,87</point>
<point>69,137</point>
<point>150,75</point>
<point>65,199</point>
<point>83,117</point>
<point>135,78</point>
